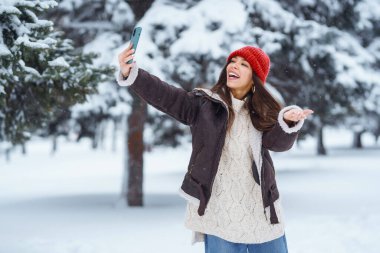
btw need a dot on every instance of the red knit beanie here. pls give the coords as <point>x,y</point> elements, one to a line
<point>257,58</point>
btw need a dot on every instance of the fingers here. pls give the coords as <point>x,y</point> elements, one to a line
<point>305,113</point>
<point>123,60</point>
<point>308,111</point>
<point>127,49</point>
<point>298,114</point>
<point>126,53</point>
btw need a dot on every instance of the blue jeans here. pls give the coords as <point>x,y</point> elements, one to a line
<point>214,244</point>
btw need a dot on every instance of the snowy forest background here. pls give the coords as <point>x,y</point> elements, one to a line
<point>63,117</point>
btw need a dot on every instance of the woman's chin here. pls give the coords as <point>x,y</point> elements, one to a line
<point>232,85</point>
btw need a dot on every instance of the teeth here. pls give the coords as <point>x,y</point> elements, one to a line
<point>233,74</point>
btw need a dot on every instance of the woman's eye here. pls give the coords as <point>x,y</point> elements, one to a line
<point>244,64</point>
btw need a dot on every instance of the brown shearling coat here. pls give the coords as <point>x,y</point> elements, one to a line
<point>206,114</point>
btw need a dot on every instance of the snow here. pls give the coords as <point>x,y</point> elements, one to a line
<point>35,45</point>
<point>9,10</point>
<point>353,67</point>
<point>29,70</point>
<point>121,13</point>
<point>32,15</point>
<point>39,24</point>
<point>269,40</point>
<point>66,5</point>
<point>4,50</point>
<point>195,36</point>
<point>69,202</point>
<point>367,10</point>
<point>307,2</point>
<point>42,4</point>
<point>196,39</point>
<point>47,4</point>
<point>104,44</point>
<point>275,93</point>
<point>374,47</point>
<point>59,62</point>
<point>272,12</point>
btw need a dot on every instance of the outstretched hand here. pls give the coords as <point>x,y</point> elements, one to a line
<point>297,114</point>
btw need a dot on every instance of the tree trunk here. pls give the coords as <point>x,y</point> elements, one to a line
<point>132,185</point>
<point>357,140</point>
<point>102,133</point>
<point>320,146</point>
<point>139,7</point>
<point>376,136</point>
<point>54,146</point>
<point>8,154</point>
<point>114,135</point>
<point>133,165</point>
<point>23,149</point>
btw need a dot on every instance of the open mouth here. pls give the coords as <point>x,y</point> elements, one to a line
<point>233,76</point>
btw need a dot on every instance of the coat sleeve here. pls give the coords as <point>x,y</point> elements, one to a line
<point>176,102</point>
<point>282,136</point>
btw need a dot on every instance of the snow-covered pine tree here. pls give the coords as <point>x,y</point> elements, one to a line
<point>104,26</point>
<point>100,27</point>
<point>359,21</point>
<point>186,42</point>
<point>314,63</point>
<point>367,29</point>
<point>41,74</point>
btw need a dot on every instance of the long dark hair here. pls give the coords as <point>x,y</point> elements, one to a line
<point>262,106</point>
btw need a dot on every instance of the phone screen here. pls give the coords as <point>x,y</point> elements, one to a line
<point>135,39</point>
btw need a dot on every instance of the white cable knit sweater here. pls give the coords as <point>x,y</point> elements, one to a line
<point>235,210</point>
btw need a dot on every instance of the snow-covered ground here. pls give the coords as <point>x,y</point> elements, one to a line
<point>68,202</point>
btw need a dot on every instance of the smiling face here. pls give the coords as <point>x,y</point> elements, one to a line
<point>239,77</point>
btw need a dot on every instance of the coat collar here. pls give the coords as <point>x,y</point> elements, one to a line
<point>214,96</point>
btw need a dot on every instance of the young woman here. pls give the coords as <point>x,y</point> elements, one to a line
<point>233,200</point>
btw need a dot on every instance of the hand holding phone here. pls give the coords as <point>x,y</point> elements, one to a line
<point>135,40</point>
<point>126,56</point>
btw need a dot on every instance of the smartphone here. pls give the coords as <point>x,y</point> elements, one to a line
<point>135,40</point>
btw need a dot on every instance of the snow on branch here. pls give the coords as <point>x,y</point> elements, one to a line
<point>29,69</point>
<point>4,51</point>
<point>35,45</point>
<point>59,62</point>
